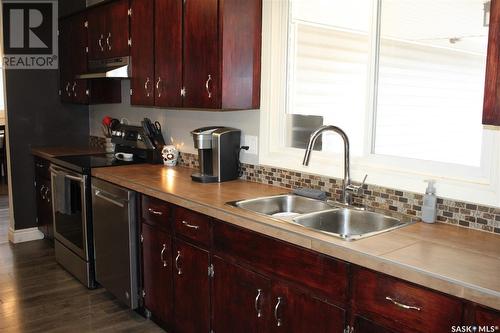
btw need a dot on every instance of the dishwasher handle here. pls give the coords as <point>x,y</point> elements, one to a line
<point>103,195</point>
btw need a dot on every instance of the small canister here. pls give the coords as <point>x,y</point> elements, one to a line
<point>170,155</point>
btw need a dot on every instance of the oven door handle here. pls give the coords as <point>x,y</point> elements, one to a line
<point>100,194</point>
<point>56,171</point>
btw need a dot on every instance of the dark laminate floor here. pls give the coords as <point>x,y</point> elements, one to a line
<point>37,295</point>
<point>4,215</point>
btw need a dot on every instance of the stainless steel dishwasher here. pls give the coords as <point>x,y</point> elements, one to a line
<point>115,240</point>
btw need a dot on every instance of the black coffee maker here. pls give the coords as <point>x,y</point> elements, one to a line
<point>218,153</point>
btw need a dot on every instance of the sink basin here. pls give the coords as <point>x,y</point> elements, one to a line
<point>348,224</point>
<point>282,206</point>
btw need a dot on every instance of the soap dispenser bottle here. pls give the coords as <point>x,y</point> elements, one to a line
<point>429,208</point>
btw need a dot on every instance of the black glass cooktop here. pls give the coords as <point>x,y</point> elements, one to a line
<point>84,163</point>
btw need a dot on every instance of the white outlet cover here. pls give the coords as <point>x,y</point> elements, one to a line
<point>252,142</point>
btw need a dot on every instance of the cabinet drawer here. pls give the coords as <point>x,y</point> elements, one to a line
<point>155,212</point>
<point>192,225</point>
<point>402,303</point>
<point>320,274</point>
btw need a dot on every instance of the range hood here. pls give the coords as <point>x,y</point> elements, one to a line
<point>112,68</point>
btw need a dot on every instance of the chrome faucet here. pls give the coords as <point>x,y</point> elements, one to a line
<point>348,189</point>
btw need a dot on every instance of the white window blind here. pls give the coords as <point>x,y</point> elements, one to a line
<point>328,66</point>
<point>430,89</point>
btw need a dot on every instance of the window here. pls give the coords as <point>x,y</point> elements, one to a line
<point>403,78</point>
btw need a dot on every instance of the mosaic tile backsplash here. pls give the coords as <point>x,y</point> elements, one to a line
<point>463,214</point>
<point>449,211</point>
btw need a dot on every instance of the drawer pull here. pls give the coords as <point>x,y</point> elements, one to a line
<point>196,227</point>
<point>179,271</point>
<point>162,255</point>
<point>257,301</point>
<point>155,212</point>
<point>279,321</point>
<point>401,305</point>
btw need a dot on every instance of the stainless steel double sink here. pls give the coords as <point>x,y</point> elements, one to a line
<point>348,223</point>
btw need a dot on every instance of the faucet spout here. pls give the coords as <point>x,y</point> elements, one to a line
<point>346,198</point>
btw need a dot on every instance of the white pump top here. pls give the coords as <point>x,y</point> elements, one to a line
<point>430,187</point>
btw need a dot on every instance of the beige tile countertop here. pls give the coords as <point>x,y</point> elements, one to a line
<point>49,152</point>
<point>457,261</point>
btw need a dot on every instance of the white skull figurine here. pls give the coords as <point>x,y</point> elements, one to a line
<point>170,155</point>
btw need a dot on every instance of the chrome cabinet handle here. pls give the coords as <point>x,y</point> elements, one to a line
<point>162,255</point>
<point>67,89</point>
<point>41,192</point>
<point>207,86</point>
<point>257,301</point>
<point>108,41</point>
<point>155,212</point>
<point>401,305</point>
<point>73,89</point>
<point>100,43</point>
<point>146,86</point>
<point>46,194</point>
<point>179,270</point>
<point>158,86</point>
<point>279,321</point>
<point>196,227</point>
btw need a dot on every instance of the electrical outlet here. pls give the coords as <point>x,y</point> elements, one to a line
<point>252,142</point>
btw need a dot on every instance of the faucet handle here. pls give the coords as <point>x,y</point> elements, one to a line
<point>356,189</point>
<point>363,182</point>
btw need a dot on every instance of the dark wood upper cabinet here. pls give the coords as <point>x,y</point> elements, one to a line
<point>168,53</point>
<point>156,52</point>
<point>108,30</point>
<point>491,107</point>
<point>201,52</point>
<point>221,64</point>
<point>73,60</point>
<point>142,53</point>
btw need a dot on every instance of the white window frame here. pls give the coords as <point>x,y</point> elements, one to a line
<point>479,185</point>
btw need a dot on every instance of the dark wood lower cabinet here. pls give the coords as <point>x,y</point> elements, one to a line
<point>295,312</point>
<point>191,288</point>
<point>157,273</point>
<point>241,299</point>
<point>363,325</point>
<point>236,280</point>
<point>43,194</point>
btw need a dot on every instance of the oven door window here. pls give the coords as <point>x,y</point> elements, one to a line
<point>69,211</point>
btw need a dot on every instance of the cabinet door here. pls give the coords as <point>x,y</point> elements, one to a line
<point>96,31</point>
<point>142,52</point>
<point>363,325</point>
<point>117,29</point>
<point>201,54</point>
<point>191,288</point>
<point>65,59</point>
<point>157,273</point>
<point>78,46</point>
<point>168,53</point>
<point>491,107</point>
<point>44,207</point>
<point>240,299</point>
<point>295,311</point>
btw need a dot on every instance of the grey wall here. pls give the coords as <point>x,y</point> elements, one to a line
<point>177,124</point>
<point>36,117</point>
